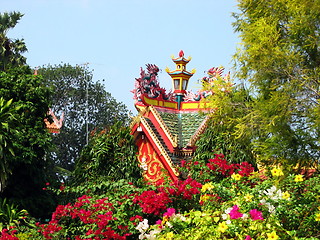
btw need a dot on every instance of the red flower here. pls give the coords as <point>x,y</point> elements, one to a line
<point>152,202</point>
<point>183,163</point>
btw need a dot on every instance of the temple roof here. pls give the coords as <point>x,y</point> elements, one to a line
<point>52,123</point>
<point>170,123</point>
<point>182,125</point>
<point>182,128</point>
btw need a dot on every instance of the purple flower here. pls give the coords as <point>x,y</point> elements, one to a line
<point>248,238</point>
<point>255,214</point>
<point>234,213</point>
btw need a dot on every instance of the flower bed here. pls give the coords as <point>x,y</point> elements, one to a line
<point>226,201</point>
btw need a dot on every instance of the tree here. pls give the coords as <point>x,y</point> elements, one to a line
<point>110,153</point>
<point>86,106</point>
<point>229,104</point>
<point>30,140</point>
<point>8,119</point>
<point>280,59</point>
<point>10,49</point>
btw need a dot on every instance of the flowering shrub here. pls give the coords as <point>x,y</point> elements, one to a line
<point>92,218</point>
<point>119,213</point>
<point>216,169</point>
<point>240,204</point>
<point>8,234</point>
<point>180,194</point>
<point>153,202</point>
<point>280,207</point>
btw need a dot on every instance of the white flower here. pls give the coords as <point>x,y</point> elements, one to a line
<point>263,201</point>
<point>271,208</point>
<point>245,216</point>
<point>169,225</point>
<point>143,226</point>
<point>273,189</point>
<point>227,211</point>
<point>224,216</point>
<point>228,221</point>
<point>181,217</point>
<point>273,193</point>
<point>153,234</point>
<point>142,236</point>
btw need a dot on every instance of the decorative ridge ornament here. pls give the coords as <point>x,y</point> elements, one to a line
<point>181,58</point>
<point>180,77</point>
<point>181,54</point>
<point>53,124</point>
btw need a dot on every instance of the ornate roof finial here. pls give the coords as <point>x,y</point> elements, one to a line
<point>181,54</point>
<point>35,71</point>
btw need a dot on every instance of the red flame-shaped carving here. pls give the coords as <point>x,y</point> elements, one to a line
<point>181,54</point>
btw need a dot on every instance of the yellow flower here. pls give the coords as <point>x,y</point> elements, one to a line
<point>204,197</point>
<point>272,236</point>
<point>170,235</point>
<point>276,172</point>
<point>253,227</point>
<point>317,218</point>
<point>298,178</point>
<point>207,186</point>
<point>236,176</point>
<point>286,195</point>
<point>222,227</point>
<point>248,197</point>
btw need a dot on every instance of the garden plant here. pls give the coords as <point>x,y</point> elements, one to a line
<point>228,201</point>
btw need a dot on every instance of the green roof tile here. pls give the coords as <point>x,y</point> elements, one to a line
<point>182,125</point>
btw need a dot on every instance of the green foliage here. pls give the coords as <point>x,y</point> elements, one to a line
<point>84,103</point>
<point>110,153</point>
<point>10,216</point>
<point>10,49</point>
<point>30,140</point>
<point>229,104</point>
<point>279,57</point>
<point>8,118</point>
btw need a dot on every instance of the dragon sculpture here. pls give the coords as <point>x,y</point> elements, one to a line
<point>148,84</point>
<point>213,74</point>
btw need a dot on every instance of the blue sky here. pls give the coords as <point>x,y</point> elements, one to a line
<point>117,37</point>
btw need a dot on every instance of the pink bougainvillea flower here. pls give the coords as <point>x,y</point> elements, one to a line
<point>248,238</point>
<point>255,214</point>
<point>169,212</point>
<point>234,213</point>
<point>183,163</point>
